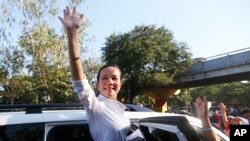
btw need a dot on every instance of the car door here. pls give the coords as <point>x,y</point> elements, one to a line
<point>168,128</point>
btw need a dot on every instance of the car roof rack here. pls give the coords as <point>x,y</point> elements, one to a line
<point>38,108</point>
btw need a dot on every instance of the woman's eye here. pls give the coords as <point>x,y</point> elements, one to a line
<point>115,78</point>
<point>104,78</point>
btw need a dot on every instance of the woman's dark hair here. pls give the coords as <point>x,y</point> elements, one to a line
<point>108,65</point>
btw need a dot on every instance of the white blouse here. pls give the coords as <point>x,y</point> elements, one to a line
<point>105,116</point>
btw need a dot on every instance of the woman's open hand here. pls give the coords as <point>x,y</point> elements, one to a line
<point>71,20</point>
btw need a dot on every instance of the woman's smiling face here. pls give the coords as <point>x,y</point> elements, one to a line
<point>109,83</point>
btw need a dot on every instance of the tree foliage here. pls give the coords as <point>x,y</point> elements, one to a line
<point>38,58</point>
<point>34,66</point>
<point>232,94</point>
<point>149,57</point>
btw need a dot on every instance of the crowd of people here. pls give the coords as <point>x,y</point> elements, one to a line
<point>226,116</point>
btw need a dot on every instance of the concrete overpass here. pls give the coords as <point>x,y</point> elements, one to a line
<point>223,68</point>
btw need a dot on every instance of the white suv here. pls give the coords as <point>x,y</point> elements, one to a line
<point>58,123</point>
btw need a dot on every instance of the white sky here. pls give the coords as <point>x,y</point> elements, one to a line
<point>209,27</point>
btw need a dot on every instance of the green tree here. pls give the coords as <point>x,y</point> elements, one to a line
<point>40,51</point>
<point>232,94</point>
<point>148,56</point>
<point>11,66</point>
<point>144,100</point>
<point>91,67</point>
<point>183,99</point>
<point>24,92</point>
<point>45,49</point>
<point>212,92</point>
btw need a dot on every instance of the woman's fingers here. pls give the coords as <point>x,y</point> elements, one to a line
<point>67,11</point>
<point>74,11</point>
<point>64,13</point>
<point>61,19</point>
<point>81,16</point>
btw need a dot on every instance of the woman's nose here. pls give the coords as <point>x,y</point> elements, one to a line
<point>110,81</point>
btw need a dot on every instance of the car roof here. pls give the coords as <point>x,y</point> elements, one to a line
<point>39,113</point>
<point>9,118</point>
<point>21,117</point>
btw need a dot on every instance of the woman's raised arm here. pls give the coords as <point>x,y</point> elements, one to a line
<point>71,22</point>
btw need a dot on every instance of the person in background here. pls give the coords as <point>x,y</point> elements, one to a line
<point>245,113</point>
<point>201,106</point>
<point>230,120</point>
<point>216,120</point>
<point>105,114</point>
<point>215,117</point>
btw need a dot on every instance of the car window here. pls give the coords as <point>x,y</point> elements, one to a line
<point>177,125</point>
<point>69,133</point>
<point>159,134</point>
<point>22,132</point>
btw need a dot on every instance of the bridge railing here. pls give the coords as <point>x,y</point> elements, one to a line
<point>203,59</point>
